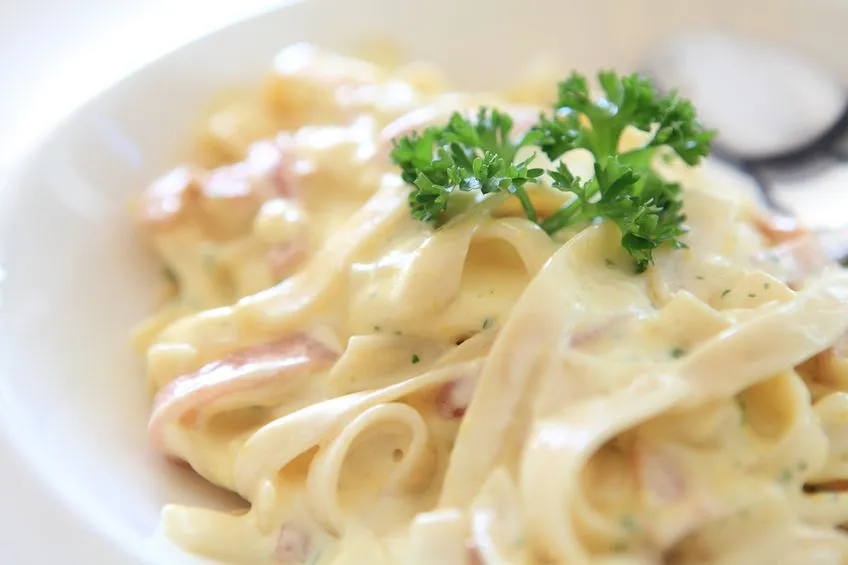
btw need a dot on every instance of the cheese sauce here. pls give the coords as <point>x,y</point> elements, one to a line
<point>381,392</point>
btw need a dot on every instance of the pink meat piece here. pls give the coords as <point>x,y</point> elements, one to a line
<point>294,545</point>
<point>590,335</point>
<point>284,258</point>
<point>657,474</point>
<point>166,197</point>
<point>453,397</point>
<point>778,228</point>
<point>266,173</point>
<point>286,359</point>
<point>794,260</point>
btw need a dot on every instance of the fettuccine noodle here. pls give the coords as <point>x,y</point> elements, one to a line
<point>383,392</point>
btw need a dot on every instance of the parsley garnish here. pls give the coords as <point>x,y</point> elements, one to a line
<point>465,155</point>
<point>415,359</point>
<point>479,155</point>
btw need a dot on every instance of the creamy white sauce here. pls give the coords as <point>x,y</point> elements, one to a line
<point>481,394</point>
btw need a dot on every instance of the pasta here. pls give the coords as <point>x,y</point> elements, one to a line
<point>383,392</point>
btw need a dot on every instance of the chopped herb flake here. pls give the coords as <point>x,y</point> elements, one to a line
<point>751,295</point>
<point>487,323</point>
<point>609,262</point>
<point>725,292</point>
<point>677,352</point>
<point>170,275</point>
<point>743,409</point>
<point>209,261</point>
<point>415,359</point>
<point>377,328</point>
<point>315,557</point>
<point>699,277</point>
<point>628,522</point>
<point>766,286</point>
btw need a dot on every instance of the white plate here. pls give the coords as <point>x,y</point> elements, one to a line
<point>79,484</point>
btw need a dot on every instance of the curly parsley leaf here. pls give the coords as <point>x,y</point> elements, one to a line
<point>478,155</point>
<point>465,155</point>
<point>625,189</point>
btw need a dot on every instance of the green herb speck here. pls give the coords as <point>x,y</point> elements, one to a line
<point>415,359</point>
<point>169,275</point>
<point>677,352</point>
<point>751,295</point>
<point>725,292</point>
<point>699,277</point>
<point>743,408</point>
<point>209,262</point>
<point>377,328</point>
<point>628,522</point>
<point>316,555</point>
<point>766,286</point>
<point>609,262</point>
<point>487,323</point>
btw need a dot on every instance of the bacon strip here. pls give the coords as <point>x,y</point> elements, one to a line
<point>266,173</point>
<point>657,475</point>
<point>294,544</point>
<point>453,397</point>
<point>796,251</point>
<point>263,371</point>
<point>778,228</point>
<point>284,258</point>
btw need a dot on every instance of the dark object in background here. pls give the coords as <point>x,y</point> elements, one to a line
<point>782,119</point>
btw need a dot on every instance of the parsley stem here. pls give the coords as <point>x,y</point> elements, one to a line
<point>526,203</point>
<point>562,217</point>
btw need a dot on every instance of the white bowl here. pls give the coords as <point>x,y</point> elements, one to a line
<point>79,484</point>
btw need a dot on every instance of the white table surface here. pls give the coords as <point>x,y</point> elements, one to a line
<point>54,54</point>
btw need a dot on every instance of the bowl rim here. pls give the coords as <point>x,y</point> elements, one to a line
<point>68,505</point>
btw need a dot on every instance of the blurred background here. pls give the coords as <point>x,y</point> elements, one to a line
<point>56,53</point>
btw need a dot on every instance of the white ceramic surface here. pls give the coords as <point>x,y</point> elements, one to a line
<point>92,43</point>
<point>72,400</point>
